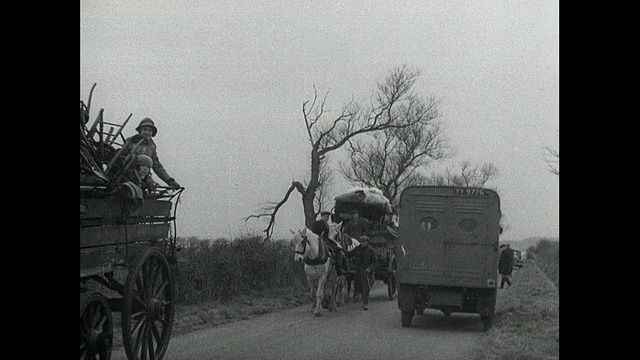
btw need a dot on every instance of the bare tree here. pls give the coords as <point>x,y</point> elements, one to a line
<point>553,160</point>
<point>324,192</point>
<point>389,159</point>
<point>393,93</point>
<point>470,175</point>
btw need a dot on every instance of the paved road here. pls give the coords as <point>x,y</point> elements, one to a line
<point>349,333</point>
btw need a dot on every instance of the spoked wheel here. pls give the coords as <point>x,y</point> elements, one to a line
<point>147,309</point>
<point>392,286</point>
<point>96,327</point>
<point>392,282</point>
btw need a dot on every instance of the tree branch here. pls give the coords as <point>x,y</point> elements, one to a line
<point>272,215</point>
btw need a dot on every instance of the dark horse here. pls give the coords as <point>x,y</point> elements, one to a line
<point>345,289</point>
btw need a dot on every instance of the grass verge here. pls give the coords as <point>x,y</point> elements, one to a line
<point>526,323</point>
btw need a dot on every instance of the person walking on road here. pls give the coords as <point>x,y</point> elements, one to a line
<point>366,263</point>
<point>505,265</point>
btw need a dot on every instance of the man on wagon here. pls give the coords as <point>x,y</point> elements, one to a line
<point>147,129</point>
<point>140,173</point>
<point>357,226</point>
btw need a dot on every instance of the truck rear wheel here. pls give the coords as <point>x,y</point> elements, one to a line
<point>407,316</point>
<point>487,321</point>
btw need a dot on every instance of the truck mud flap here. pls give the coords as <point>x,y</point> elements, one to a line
<point>486,305</point>
<point>406,298</point>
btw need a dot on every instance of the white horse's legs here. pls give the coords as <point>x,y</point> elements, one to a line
<point>330,291</point>
<point>320,295</point>
<point>312,293</point>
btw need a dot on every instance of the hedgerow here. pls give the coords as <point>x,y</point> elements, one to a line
<point>221,269</point>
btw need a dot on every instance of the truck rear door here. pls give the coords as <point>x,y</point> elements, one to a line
<point>448,238</point>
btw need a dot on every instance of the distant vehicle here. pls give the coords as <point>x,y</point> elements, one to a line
<point>447,251</point>
<point>518,261</point>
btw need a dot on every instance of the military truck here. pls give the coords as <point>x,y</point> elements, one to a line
<point>447,251</point>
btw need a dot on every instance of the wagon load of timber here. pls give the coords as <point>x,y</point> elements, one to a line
<point>105,156</point>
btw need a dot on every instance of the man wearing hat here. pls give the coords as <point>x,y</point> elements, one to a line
<point>505,264</point>
<point>366,263</point>
<point>148,130</point>
<point>357,226</point>
<point>140,173</point>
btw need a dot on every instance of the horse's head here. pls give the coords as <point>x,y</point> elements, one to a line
<point>300,244</point>
<point>346,242</point>
<point>334,232</point>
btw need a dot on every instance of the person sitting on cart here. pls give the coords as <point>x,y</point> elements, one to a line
<point>321,228</point>
<point>357,226</point>
<point>140,174</point>
<point>147,130</point>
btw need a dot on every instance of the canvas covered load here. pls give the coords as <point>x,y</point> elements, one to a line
<point>370,196</point>
<point>371,203</point>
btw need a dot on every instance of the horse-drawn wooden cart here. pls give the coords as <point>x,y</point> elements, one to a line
<point>127,243</point>
<point>384,243</point>
<point>113,238</point>
<point>383,236</point>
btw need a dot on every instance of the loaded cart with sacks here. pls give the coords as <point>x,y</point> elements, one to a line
<point>375,207</point>
<point>127,246</point>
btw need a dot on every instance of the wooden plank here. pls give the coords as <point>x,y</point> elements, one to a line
<point>113,207</point>
<point>97,261</point>
<point>84,223</point>
<point>113,234</point>
<point>100,208</point>
<point>103,259</point>
<point>153,207</point>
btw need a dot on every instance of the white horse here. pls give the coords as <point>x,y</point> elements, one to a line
<point>345,289</point>
<point>318,265</point>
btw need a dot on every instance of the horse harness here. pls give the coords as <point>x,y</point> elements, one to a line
<point>322,255</point>
<point>304,243</point>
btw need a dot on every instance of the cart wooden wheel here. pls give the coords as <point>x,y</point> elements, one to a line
<point>147,309</point>
<point>392,282</point>
<point>96,327</point>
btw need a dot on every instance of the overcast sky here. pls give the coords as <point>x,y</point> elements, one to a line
<point>224,82</point>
